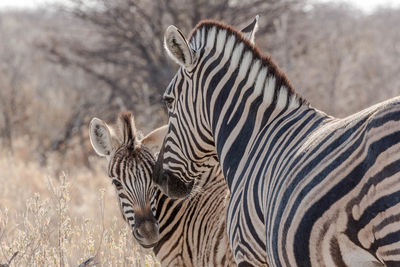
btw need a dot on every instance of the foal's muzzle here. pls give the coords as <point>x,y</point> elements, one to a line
<point>146,231</point>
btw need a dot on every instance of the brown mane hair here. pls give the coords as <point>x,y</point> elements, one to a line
<point>127,128</point>
<point>266,61</point>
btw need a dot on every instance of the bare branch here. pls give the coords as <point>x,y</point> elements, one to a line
<point>9,261</point>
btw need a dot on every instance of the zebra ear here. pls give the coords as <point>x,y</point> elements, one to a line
<point>177,47</point>
<point>250,30</point>
<point>102,138</point>
<point>154,140</point>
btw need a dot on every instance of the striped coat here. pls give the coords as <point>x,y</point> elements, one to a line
<point>188,232</point>
<point>306,189</point>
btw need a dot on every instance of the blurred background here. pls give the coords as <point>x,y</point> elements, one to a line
<point>63,62</point>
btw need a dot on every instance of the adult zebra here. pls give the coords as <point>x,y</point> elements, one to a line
<point>181,232</point>
<point>306,189</point>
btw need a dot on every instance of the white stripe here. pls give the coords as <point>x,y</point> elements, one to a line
<point>260,80</point>
<point>211,38</point>
<point>245,64</point>
<point>293,102</point>
<point>221,38</point>
<point>236,55</point>
<point>229,46</point>
<point>269,90</point>
<point>198,39</point>
<point>282,97</point>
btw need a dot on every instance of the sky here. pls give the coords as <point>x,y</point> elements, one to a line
<point>366,5</point>
<point>24,3</point>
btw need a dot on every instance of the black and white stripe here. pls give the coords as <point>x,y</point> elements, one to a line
<point>306,189</point>
<point>192,232</point>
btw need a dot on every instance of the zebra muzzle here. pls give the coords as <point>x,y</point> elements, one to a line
<point>172,186</point>
<point>146,232</point>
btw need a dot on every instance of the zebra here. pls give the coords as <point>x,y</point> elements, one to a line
<point>181,232</point>
<point>307,189</point>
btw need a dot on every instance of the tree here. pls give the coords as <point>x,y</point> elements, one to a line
<point>123,48</point>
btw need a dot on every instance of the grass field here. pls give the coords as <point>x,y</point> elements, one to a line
<point>69,219</point>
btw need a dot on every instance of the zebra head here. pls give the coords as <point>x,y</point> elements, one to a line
<point>188,149</point>
<point>130,168</point>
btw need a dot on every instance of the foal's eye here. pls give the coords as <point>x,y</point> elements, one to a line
<point>168,101</point>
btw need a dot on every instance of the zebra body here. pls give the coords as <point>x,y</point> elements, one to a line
<point>306,189</point>
<point>193,231</point>
<point>181,232</point>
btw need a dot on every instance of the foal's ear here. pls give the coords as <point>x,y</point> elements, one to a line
<point>102,138</point>
<point>250,30</point>
<point>177,47</point>
<point>154,140</point>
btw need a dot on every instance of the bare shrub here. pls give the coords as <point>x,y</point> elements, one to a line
<point>61,227</point>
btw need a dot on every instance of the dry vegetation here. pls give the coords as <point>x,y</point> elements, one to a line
<point>61,67</point>
<point>62,221</point>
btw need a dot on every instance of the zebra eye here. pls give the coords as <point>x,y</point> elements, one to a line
<point>168,101</point>
<point>116,183</point>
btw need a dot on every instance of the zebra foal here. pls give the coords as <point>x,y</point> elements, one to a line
<point>307,189</point>
<point>181,232</point>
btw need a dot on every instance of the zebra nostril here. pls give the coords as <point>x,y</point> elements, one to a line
<point>138,234</point>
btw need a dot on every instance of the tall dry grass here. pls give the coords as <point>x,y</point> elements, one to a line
<point>72,219</point>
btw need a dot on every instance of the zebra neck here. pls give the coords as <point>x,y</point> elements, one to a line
<point>170,212</point>
<point>247,98</point>
<point>265,100</point>
<point>252,118</point>
<point>167,210</point>
<point>165,205</point>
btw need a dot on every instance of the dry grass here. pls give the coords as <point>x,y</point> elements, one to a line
<point>70,220</point>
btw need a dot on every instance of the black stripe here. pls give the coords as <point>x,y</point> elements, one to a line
<point>337,192</point>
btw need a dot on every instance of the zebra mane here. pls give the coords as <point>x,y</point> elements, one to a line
<point>126,125</point>
<point>265,61</point>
